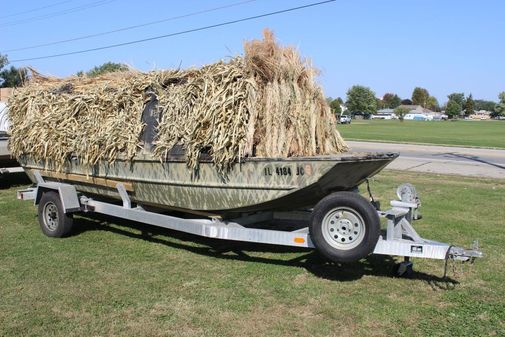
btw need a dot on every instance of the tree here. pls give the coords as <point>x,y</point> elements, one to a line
<point>453,109</point>
<point>391,100</point>
<point>108,67</point>
<point>11,77</point>
<point>420,97</point>
<point>480,104</point>
<point>499,109</point>
<point>469,106</point>
<point>3,61</point>
<point>361,99</point>
<point>335,107</point>
<point>401,112</point>
<point>457,97</point>
<point>406,101</point>
<point>432,104</point>
<point>380,103</point>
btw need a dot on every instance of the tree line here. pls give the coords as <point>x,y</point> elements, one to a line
<point>362,100</point>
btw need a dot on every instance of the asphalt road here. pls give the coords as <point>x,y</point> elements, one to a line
<point>465,161</point>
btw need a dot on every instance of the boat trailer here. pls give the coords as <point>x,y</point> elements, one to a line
<point>399,239</point>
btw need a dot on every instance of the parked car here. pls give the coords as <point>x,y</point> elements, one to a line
<point>345,119</point>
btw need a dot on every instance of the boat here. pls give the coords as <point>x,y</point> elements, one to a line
<point>253,184</point>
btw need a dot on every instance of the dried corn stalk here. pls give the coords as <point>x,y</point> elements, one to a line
<point>263,104</point>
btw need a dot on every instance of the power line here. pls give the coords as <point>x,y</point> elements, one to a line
<point>58,13</point>
<point>130,27</point>
<point>177,33</point>
<point>34,9</point>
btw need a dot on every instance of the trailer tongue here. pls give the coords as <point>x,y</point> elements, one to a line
<point>336,233</point>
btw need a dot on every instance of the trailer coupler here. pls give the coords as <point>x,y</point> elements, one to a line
<point>464,255</point>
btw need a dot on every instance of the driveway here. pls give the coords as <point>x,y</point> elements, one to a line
<point>475,162</point>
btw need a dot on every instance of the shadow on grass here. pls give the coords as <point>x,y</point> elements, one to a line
<point>376,265</point>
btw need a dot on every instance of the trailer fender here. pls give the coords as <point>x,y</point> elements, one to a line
<point>67,193</point>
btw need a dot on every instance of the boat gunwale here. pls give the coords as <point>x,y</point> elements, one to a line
<point>347,156</point>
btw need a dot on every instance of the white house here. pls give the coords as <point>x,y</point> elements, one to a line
<point>385,114</point>
<point>418,113</point>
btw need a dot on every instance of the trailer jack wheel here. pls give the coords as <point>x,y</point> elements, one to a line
<point>404,269</point>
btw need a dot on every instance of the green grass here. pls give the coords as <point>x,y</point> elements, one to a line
<point>462,133</point>
<point>108,279</point>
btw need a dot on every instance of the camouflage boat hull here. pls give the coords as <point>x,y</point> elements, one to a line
<point>252,185</point>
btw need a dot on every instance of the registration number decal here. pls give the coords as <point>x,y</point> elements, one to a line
<point>287,170</point>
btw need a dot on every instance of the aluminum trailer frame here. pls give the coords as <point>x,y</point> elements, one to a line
<point>400,237</point>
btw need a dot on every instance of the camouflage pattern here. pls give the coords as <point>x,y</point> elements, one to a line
<point>253,184</point>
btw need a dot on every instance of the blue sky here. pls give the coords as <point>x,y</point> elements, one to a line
<point>390,46</point>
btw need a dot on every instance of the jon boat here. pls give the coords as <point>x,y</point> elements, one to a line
<point>253,184</point>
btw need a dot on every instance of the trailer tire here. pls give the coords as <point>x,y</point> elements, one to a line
<point>53,221</point>
<point>344,227</point>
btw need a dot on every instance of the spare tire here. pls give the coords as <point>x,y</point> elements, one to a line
<point>344,227</point>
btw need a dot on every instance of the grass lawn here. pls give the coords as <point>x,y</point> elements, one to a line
<point>109,279</point>
<point>462,133</point>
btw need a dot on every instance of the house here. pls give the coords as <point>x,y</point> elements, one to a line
<point>385,114</point>
<point>481,115</point>
<point>418,113</point>
<point>416,109</point>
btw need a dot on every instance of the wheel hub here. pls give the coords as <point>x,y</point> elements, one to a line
<point>51,216</point>
<point>343,228</point>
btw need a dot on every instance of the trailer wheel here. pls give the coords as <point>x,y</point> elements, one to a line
<point>344,227</point>
<point>53,221</point>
